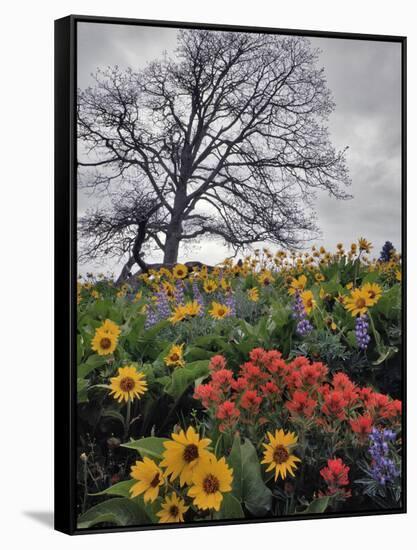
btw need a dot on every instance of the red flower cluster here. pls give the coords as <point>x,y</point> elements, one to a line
<point>300,389</point>
<point>335,474</point>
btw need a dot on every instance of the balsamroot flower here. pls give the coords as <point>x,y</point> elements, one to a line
<point>105,338</point>
<point>211,479</point>
<point>128,385</point>
<point>183,454</point>
<point>278,453</point>
<point>149,478</point>
<point>172,510</point>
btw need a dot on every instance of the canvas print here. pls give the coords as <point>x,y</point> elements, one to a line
<point>239,340</point>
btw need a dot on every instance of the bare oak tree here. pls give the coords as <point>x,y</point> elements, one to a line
<point>130,221</point>
<point>228,136</point>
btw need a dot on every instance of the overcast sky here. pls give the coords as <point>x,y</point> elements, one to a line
<point>365,79</point>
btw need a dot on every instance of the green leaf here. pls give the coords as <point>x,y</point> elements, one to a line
<point>82,389</point>
<point>93,362</point>
<point>120,489</point>
<point>317,506</point>
<point>248,485</point>
<point>152,447</point>
<point>181,378</point>
<point>80,348</point>
<point>197,354</point>
<point>112,413</point>
<point>230,508</point>
<point>385,353</point>
<point>119,511</point>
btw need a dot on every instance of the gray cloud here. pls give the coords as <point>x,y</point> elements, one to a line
<point>365,79</point>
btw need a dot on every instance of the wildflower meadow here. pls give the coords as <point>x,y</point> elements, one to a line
<point>262,387</point>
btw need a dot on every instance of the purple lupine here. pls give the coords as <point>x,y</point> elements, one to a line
<point>361,331</point>
<point>304,326</point>
<point>386,252</point>
<point>383,469</point>
<point>163,309</point>
<point>298,311</point>
<point>231,303</point>
<point>151,318</point>
<point>198,298</point>
<point>179,292</point>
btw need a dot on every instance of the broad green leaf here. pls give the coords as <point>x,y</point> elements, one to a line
<point>120,489</point>
<point>93,362</point>
<point>197,354</point>
<point>317,506</point>
<point>119,511</point>
<point>183,377</point>
<point>152,447</point>
<point>385,353</point>
<point>112,413</point>
<point>248,485</point>
<point>80,348</point>
<point>82,388</point>
<point>230,508</point>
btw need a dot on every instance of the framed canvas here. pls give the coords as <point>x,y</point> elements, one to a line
<point>230,268</point>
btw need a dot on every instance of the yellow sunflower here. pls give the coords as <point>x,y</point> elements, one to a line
<point>266,278</point>
<point>105,338</point>
<point>309,303</point>
<point>183,454</point>
<point>374,292</point>
<point>138,296</point>
<point>149,478</point>
<point>211,478</point>
<point>219,311</point>
<point>358,302</point>
<point>175,356</point>
<point>180,271</point>
<point>253,294</point>
<point>178,315</point>
<point>192,309</point>
<point>278,453</point>
<point>129,384</point>
<point>319,277</point>
<point>365,245</point>
<point>110,326</point>
<point>210,286</point>
<point>297,285</point>
<point>225,284</point>
<point>172,509</point>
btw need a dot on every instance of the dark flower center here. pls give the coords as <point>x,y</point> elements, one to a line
<point>155,480</point>
<point>360,303</point>
<point>175,357</point>
<point>280,454</point>
<point>174,511</point>
<point>211,484</point>
<point>127,384</point>
<point>105,342</point>
<point>190,452</point>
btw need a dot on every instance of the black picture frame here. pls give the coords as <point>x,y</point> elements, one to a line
<point>66,268</point>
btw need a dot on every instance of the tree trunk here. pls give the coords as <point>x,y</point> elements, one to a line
<point>174,233</point>
<point>125,273</point>
<point>172,245</point>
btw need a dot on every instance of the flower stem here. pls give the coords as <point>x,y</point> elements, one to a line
<point>127,419</point>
